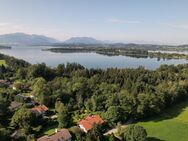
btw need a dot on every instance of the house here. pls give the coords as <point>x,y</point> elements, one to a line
<point>62,135</point>
<point>87,123</point>
<point>4,82</point>
<point>19,86</point>
<point>21,98</point>
<point>39,110</point>
<point>15,105</point>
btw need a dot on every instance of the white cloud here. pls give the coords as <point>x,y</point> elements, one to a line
<point>115,20</point>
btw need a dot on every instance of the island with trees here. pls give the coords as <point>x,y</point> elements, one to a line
<point>116,51</point>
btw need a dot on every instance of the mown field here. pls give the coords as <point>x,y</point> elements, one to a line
<point>172,125</point>
<point>2,62</point>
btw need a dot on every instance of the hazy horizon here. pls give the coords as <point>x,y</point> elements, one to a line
<point>127,21</point>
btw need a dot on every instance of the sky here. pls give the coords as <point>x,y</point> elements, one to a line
<point>139,21</point>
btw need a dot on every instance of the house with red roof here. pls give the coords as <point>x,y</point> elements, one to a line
<point>39,110</point>
<point>87,123</point>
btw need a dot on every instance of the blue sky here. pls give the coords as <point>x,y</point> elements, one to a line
<point>142,21</point>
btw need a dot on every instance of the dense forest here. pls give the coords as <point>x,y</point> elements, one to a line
<point>72,92</point>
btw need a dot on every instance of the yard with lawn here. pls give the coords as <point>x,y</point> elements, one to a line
<point>172,125</point>
<point>48,130</point>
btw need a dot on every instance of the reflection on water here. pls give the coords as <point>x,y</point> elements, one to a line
<point>90,60</point>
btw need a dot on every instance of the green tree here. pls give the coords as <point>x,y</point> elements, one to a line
<point>114,114</point>
<point>63,116</point>
<point>23,118</point>
<point>77,132</point>
<point>95,134</point>
<point>21,73</point>
<point>4,104</point>
<point>60,69</point>
<point>113,138</point>
<point>4,134</point>
<point>134,133</point>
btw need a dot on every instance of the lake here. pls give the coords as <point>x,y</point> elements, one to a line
<point>35,55</point>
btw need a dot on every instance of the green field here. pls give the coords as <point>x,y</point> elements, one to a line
<point>172,125</point>
<point>2,62</point>
<point>49,129</point>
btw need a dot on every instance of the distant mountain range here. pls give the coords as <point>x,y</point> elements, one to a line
<point>82,40</point>
<point>26,39</point>
<point>33,39</point>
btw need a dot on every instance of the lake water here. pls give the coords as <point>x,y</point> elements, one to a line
<point>90,60</point>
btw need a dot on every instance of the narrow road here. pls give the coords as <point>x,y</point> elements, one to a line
<point>113,130</point>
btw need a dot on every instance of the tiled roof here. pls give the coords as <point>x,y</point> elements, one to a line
<point>62,135</point>
<point>40,109</point>
<point>89,121</point>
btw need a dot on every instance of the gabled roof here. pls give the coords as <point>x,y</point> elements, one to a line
<point>62,135</point>
<point>40,109</point>
<point>89,121</point>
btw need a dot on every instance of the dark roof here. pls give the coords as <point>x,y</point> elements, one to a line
<point>21,96</point>
<point>62,135</point>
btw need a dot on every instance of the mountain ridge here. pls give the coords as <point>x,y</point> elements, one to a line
<point>83,40</point>
<point>20,38</point>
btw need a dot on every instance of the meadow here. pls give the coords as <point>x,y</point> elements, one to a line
<point>171,125</point>
<point>2,62</point>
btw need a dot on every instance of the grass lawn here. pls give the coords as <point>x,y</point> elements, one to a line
<point>172,125</point>
<point>49,129</point>
<point>2,62</point>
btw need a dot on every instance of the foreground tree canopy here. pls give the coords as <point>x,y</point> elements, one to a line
<point>117,95</point>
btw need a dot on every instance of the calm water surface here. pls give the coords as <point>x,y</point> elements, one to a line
<point>90,60</point>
